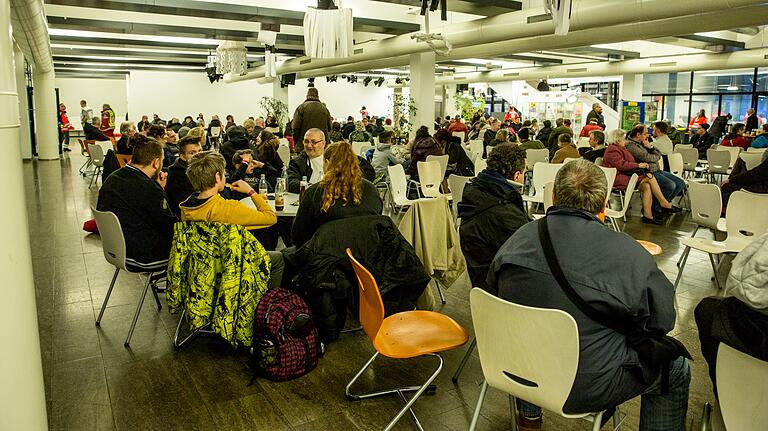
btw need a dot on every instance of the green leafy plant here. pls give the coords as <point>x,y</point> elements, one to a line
<point>467,105</point>
<point>275,108</point>
<point>403,108</point>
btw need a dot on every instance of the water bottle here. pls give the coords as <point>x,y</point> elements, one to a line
<point>280,195</point>
<point>302,187</point>
<point>263,187</point>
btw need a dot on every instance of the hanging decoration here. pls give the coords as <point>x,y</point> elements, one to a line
<point>269,39</point>
<point>231,58</point>
<point>561,14</point>
<point>436,41</point>
<point>328,30</point>
<point>433,4</point>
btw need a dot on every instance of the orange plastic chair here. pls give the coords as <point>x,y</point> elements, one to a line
<point>123,159</point>
<point>404,335</point>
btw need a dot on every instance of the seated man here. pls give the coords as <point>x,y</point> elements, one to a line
<point>618,278</point>
<point>701,140</point>
<point>135,194</point>
<point>567,149</point>
<point>596,146</point>
<point>491,210</point>
<point>206,172</point>
<point>309,162</point>
<point>92,131</point>
<point>179,188</point>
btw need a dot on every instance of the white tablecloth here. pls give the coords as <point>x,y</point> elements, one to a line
<point>288,211</point>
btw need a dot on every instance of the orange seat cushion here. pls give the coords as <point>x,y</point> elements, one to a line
<point>415,333</point>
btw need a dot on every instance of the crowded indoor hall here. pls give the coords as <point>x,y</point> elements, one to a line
<point>384,215</point>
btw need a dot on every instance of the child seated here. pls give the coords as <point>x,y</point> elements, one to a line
<point>206,173</point>
<point>247,169</point>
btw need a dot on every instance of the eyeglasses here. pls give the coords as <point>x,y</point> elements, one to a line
<point>312,142</point>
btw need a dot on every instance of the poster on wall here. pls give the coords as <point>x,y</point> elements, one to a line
<point>631,113</point>
<point>651,112</point>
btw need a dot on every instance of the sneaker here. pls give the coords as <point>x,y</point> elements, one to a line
<point>528,424</point>
<point>655,221</point>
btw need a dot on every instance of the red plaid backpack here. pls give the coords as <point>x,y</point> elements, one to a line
<point>285,340</point>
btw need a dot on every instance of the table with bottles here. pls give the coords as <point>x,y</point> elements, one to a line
<point>289,208</point>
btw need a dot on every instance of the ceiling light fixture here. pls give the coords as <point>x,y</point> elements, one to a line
<point>367,80</point>
<point>379,82</point>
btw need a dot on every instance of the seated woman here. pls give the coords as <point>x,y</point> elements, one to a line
<point>755,181</point>
<point>342,193</point>
<point>567,149</point>
<point>206,172</point>
<point>502,137</point>
<point>617,156</point>
<point>491,210</point>
<point>735,138</point>
<point>266,151</point>
<point>424,145</point>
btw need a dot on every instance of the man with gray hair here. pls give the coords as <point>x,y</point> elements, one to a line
<point>618,279</point>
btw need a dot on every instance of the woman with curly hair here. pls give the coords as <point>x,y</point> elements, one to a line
<point>342,193</point>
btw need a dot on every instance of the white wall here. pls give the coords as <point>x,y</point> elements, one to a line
<point>96,92</point>
<point>343,98</point>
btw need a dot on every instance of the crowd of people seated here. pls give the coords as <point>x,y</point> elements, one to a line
<point>505,252</point>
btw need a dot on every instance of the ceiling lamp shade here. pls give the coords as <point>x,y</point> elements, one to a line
<point>231,58</point>
<point>328,32</point>
<point>561,14</point>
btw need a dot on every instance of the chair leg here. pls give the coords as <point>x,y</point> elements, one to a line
<point>440,292</point>
<point>154,293</point>
<point>417,394</point>
<point>479,406</point>
<point>692,235</point>
<point>464,360</point>
<point>598,420</point>
<point>106,298</point>
<point>714,269</point>
<point>706,414</point>
<point>682,266</point>
<point>138,311</point>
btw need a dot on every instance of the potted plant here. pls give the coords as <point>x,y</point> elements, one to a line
<point>404,108</point>
<point>275,108</point>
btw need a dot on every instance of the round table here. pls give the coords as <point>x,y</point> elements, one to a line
<point>652,248</point>
<point>289,210</point>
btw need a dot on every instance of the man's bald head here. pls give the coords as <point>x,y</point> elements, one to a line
<point>314,142</point>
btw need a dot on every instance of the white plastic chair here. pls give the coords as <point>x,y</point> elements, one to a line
<point>284,141</point>
<point>364,149</point>
<point>97,160</point>
<point>113,246</point>
<point>756,150</point>
<point>461,135</point>
<point>751,160</point>
<point>529,353</point>
<point>582,142</point>
<point>443,160</point>
<point>615,215</point>
<point>676,164</point>
<point>476,147</point>
<point>718,161</point>
<point>398,189</point>
<point>456,183</point>
<point>742,388</point>
<point>570,159</point>
<point>543,173</point>
<point>735,151</point>
<point>610,175</point>
<point>682,146</point>
<point>549,188</point>
<point>375,140</point>
<point>357,146</point>
<point>284,152</point>
<point>430,179</point>
<point>690,159</point>
<point>745,222</point>
<point>480,165</point>
<point>536,156</point>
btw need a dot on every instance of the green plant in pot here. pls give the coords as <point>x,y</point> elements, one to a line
<point>403,108</point>
<point>275,108</point>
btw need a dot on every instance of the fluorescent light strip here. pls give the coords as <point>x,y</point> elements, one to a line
<point>128,66</point>
<point>127,49</point>
<point>104,35</point>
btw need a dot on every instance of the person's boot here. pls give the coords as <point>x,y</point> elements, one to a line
<point>528,424</point>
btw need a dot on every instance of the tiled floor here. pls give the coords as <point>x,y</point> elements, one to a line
<point>94,383</point>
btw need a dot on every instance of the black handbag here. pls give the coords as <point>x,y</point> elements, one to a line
<point>655,350</point>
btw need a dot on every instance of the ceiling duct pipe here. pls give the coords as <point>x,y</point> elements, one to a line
<point>705,21</point>
<point>586,14</point>
<point>30,30</point>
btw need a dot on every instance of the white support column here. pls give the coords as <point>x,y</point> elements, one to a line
<point>450,101</point>
<point>422,89</point>
<point>631,88</point>
<point>22,391</point>
<point>46,119</point>
<point>280,93</point>
<point>25,141</point>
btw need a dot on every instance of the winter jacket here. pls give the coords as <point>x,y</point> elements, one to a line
<point>424,147</point>
<point>531,145</point>
<point>229,148</point>
<point>111,164</point>
<point>553,137</point>
<point>360,136</point>
<point>177,187</point>
<point>309,217</point>
<point>738,141</point>
<point>760,142</point>
<point>644,155</point>
<point>748,278</point>
<point>488,138</point>
<point>619,278</point>
<point>565,152</point>
<point>702,143</point>
<point>327,281</point>
<point>543,135</point>
<point>620,158</point>
<point>588,128</point>
<point>491,210</point>
<point>310,114</point>
<point>599,117</point>
<point>755,181</point>
<point>459,162</point>
<point>347,129</point>
<point>219,210</point>
<point>217,273</point>
<point>383,158</point>
<point>300,166</point>
<point>92,133</point>
<point>122,146</point>
<point>174,126</point>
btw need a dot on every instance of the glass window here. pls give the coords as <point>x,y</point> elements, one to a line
<point>736,105</point>
<point>723,81</point>
<point>707,103</point>
<point>676,110</point>
<point>762,79</point>
<point>666,83</point>
<point>762,108</point>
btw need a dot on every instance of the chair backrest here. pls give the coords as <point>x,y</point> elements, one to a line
<point>480,165</point>
<point>549,188</point>
<point>751,160</point>
<point>123,159</point>
<point>719,161</point>
<point>375,141</point>
<point>583,142</point>
<point>735,151</point>
<point>456,183</point>
<point>570,159</point>
<point>682,146</point>
<point>610,175</point>
<point>756,150</point>
<point>357,146</point>
<point>112,240</point>
<point>544,173</point>
<point>676,164</point>
<point>364,150</point>
<point>745,216</point>
<point>443,160</point>
<point>215,132</point>
<point>430,178</point>
<point>476,146</point>
<point>371,311</point>
<point>272,130</point>
<point>459,135</point>
<point>284,141</point>
<point>706,204</point>
<point>742,388</point>
<point>690,157</point>
<point>398,184</point>
<point>599,161</point>
<point>284,152</point>
<point>631,185</point>
<point>97,154</point>
<point>531,353</point>
<point>536,156</point>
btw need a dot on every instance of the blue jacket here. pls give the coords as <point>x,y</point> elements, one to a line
<point>761,141</point>
<point>611,272</point>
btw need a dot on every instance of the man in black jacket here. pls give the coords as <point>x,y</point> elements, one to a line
<point>178,187</point>
<point>491,210</point>
<point>348,127</point>
<point>701,140</point>
<point>136,195</point>
<point>92,131</point>
<point>309,163</point>
<point>238,140</point>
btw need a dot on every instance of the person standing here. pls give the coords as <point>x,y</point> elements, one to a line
<point>591,125</point>
<point>751,120</point>
<point>64,128</point>
<point>597,114</point>
<point>107,120</point>
<point>312,114</point>
<point>86,113</point>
